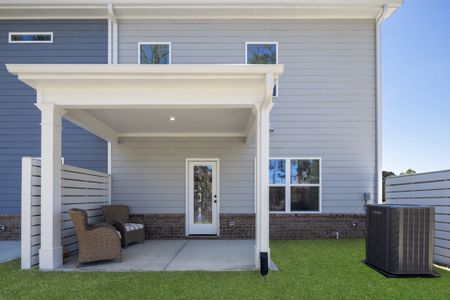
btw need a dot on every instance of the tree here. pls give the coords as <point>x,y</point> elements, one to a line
<point>408,172</point>
<point>386,174</point>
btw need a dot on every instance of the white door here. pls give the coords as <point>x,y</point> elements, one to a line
<point>202,198</point>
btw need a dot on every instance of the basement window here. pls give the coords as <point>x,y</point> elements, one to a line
<point>295,185</point>
<point>264,53</point>
<point>30,37</point>
<point>155,53</point>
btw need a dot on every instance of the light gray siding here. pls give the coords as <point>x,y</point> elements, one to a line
<point>150,176</point>
<point>326,103</point>
<point>75,42</point>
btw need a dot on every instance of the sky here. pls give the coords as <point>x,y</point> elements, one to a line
<point>416,87</point>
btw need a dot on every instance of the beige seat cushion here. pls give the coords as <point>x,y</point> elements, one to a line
<point>133,226</point>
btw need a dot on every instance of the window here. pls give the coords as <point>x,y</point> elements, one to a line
<point>31,37</point>
<point>155,53</point>
<point>262,53</point>
<point>294,185</point>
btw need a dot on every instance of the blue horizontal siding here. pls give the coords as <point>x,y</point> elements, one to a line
<point>75,42</point>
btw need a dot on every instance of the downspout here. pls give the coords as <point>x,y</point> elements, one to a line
<point>114,34</point>
<point>378,21</point>
<point>269,89</point>
<point>113,42</point>
<point>262,202</point>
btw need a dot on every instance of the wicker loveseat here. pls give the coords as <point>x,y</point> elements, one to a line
<point>95,242</point>
<point>131,229</point>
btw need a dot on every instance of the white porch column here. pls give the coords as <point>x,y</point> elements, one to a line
<point>262,182</point>
<point>50,254</point>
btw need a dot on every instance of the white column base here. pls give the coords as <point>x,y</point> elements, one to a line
<point>50,259</point>
<point>257,262</point>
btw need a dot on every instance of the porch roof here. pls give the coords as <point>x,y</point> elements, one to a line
<point>121,100</point>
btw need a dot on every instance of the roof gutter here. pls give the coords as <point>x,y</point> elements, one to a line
<point>379,157</point>
<point>194,9</point>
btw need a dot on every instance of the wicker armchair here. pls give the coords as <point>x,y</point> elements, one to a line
<point>96,242</point>
<point>131,229</point>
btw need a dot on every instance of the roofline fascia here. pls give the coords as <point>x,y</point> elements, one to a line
<point>106,10</point>
<point>124,70</point>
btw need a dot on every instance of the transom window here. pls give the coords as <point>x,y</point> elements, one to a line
<point>155,53</point>
<point>265,53</point>
<point>30,37</point>
<point>294,185</point>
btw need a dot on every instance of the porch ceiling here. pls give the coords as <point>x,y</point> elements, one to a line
<point>187,122</point>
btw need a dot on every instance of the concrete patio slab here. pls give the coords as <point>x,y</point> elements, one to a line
<point>177,255</point>
<point>149,256</point>
<point>215,255</point>
<point>9,250</point>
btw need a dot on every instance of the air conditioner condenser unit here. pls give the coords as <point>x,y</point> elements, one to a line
<point>400,239</point>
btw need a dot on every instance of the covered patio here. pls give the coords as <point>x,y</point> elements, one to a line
<point>123,101</point>
<point>177,255</point>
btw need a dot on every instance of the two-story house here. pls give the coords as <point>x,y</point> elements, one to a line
<point>206,114</point>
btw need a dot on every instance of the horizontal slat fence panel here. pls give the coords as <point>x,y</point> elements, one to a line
<point>432,189</point>
<point>80,188</point>
<point>31,211</point>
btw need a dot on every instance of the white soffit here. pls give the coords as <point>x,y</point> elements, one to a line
<point>197,9</point>
<point>156,122</point>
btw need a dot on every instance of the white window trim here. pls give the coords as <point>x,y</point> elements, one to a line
<point>276,59</point>
<point>154,43</point>
<point>10,34</point>
<point>287,185</point>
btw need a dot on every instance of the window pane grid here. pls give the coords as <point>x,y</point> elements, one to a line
<point>307,195</point>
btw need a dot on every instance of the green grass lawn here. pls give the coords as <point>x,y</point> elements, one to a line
<point>326,269</point>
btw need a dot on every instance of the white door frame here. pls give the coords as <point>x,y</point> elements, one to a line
<point>216,217</point>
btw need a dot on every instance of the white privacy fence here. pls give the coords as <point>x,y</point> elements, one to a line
<point>80,188</point>
<point>431,189</point>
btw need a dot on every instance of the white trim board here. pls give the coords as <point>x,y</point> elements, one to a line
<point>182,134</point>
